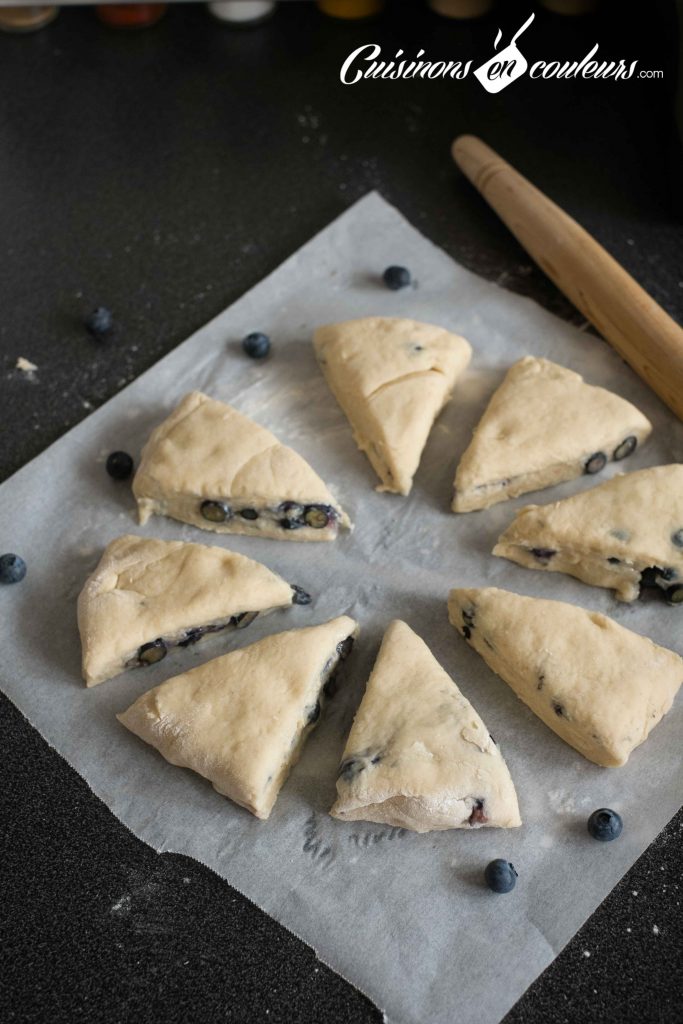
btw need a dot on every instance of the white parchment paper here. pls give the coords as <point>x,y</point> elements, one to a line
<point>404,917</point>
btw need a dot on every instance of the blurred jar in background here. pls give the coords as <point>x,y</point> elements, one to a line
<point>570,6</point>
<point>242,12</point>
<point>351,9</point>
<point>130,15</point>
<point>26,19</point>
<point>461,8</point>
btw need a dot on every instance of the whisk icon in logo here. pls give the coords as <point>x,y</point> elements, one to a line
<point>505,66</point>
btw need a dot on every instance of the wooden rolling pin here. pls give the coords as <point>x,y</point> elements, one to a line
<point>641,332</point>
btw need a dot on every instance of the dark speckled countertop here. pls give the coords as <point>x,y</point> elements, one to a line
<point>162,174</point>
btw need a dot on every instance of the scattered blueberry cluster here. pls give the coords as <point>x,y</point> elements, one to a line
<point>500,875</point>
<point>257,344</point>
<point>604,825</point>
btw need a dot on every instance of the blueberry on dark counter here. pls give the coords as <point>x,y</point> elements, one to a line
<point>396,278</point>
<point>100,321</point>
<point>215,511</point>
<point>152,652</point>
<point>12,568</point>
<point>627,447</point>
<point>119,465</point>
<point>256,345</point>
<point>605,825</point>
<point>300,595</point>
<point>595,463</point>
<point>500,875</point>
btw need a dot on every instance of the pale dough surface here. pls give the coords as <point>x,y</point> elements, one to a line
<point>241,720</point>
<point>418,755</point>
<point>599,686</point>
<point>608,535</point>
<point>391,377</point>
<point>540,428</point>
<point>206,450</point>
<point>145,588</point>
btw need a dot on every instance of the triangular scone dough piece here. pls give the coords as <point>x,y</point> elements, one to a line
<point>391,377</point>
<point>210,466</point>
<point>599,686</point>
<point>543,425</point>
<point>241,720</point>
<point>608,536</point>
<point>147,596</point>
<point>418,755</point>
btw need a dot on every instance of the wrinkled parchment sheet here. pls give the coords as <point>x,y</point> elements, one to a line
<point>404,917</point>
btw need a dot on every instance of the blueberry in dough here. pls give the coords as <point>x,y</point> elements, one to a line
<point>215,511</point>
<point>152,652</point>
<point>317,516</point>
<point>627,447</point>
<point>595,463</point>
<point>344,647</point>
<point>314,713</point>
<point>543,554</point>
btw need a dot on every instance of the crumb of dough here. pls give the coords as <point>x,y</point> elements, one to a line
<point>25,365</point>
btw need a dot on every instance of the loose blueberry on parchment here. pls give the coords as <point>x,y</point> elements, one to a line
<point>500,876</point>
<point>119,465</point>
<point>605,825</point>
<point>256,345</point>
<point>12,568</point>
<point>396,278</point>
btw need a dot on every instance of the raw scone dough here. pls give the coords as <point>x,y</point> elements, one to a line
<point>391,377</point>
<point>210,466</point>
<point>418,755</point>
<point>241,720</point>
<point>157,594</point>
<point>601,688</point>
<point>608,536</point>
<point>543,425</point>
